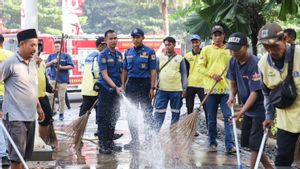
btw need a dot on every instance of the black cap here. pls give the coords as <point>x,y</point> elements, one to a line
<point>26,34</point>
<point>100,40</point>
<point>217,28</point>
<point>269,33</point>
<point>236,41</point>
<point>137,32</point>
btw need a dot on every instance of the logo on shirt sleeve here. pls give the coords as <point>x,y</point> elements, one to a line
<point>256,76</point>
<point>296,74</point>
<point>103,60</point>
<point>153,57</point>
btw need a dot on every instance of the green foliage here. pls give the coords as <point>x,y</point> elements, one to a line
<point>11,14</point>
<point>120,16</point>
<point>237,15</point>
<point>49,16</point>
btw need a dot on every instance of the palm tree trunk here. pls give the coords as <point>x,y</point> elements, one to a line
<point>165,13</point>
<point>256,22</point>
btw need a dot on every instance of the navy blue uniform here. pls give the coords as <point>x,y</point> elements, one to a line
<point>247,79</point>
<point>138,62</point>
<point>108,106</point>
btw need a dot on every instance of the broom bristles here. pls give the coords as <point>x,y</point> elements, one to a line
<point>177,140</point>
<point>48,135</point>
<point>76,129</point>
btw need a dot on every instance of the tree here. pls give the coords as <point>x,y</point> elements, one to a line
<point>245,16</point>
<point>49,15</point>
<point>120,16</point>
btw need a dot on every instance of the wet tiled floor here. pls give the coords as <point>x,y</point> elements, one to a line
<point>88,157</point>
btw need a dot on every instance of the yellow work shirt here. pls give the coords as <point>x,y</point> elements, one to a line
<point>4,54</point>
<point>195,78</point>
<point>90,74</point>
<point>170,76</point>
<point>213,60</point>
<point>288,118</point>
<point>42,79</point>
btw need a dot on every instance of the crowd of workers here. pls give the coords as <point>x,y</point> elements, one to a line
<point>145,78</point>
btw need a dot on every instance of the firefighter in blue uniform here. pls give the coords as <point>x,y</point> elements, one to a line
<point>140,74</point>
<point>109,86</point>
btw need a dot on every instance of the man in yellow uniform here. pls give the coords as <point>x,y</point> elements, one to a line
<point>194,76</point>
<point>213,60</point>
<point>4,54</point>
<point>90,76</point>
<point>274,70</point>
<point>172,84</point>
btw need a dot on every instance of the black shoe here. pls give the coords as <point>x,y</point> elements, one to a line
<point>5,161</point>
<point>117,136</point>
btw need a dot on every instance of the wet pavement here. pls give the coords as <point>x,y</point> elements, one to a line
<point>143,158</point>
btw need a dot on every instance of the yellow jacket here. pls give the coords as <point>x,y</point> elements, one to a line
<point>195,78</point>
<point>213,60</point>
<point>4,54</point>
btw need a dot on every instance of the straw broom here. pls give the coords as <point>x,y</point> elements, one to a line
<point>179,138</point>
<point>76,129</point>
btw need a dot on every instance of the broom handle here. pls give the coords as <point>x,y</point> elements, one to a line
<point>14,145</point>
<point>210,91</point>
<point>236,139</point>
<point>261,148</point>
<point>91,108</point>
<point>57,71</point>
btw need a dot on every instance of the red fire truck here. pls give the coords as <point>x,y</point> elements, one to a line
<point>79,46</point>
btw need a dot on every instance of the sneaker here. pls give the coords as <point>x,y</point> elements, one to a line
<point>212,148</point>
<point>131,145</point>
<point>231,150</point>
<point>61,117</point>
<point>5,161</point>
<point>197,134</point>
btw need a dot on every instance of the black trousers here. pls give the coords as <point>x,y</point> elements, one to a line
<point>286,142</point>
<point>45,104</point>
<point>190,99</point>
<point>108,112</point>
<point>137,91</point>
<point>87,103</point>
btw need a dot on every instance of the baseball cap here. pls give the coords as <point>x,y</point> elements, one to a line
<point>236,41</point>
<point>137,32</point>
<point>195,37</point>
<point>100,40</point>
<point>269,33</point>
<point>217,28</point>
